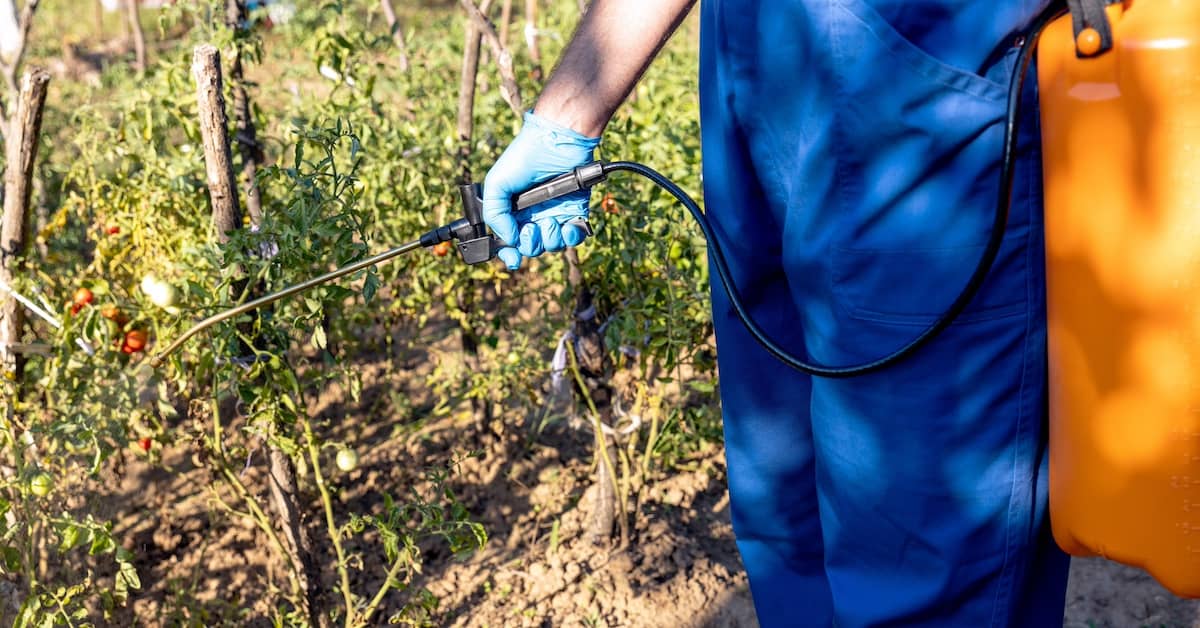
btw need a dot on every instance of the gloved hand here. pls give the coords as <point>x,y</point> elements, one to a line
<point>541,151</point>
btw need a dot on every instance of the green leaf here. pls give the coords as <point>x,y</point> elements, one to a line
<point>370,286</point>
<point>126,579</point>
<point>102,544</point>
<point>166,410</point>
<point>318,337</point>
<point>289,403</point>
<point>69,536</point>
<point>12,559</point>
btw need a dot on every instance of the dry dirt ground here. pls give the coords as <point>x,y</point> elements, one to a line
<point>539,568</point>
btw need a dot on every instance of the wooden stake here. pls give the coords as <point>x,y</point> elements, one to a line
<point>397,30</point>
<point>139,38</point>
<point>247,135</point>
<point>535,53</point>
<point>10,69</point>
<point>466,95</point>
<point>508,80</point>
<point>214,129</point>
<point>21,153</point>
<point>469,293</point>
<point>505,22</point>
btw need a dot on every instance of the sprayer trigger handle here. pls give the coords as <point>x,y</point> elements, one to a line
<point>479,250</point>
<point>583,224</point>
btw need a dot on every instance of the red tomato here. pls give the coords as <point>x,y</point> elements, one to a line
<point>114,314</point>
<point>145,443</point>
<point>441,249</point>
<point>135,340</point>
<point>609,204</point>
<point>83,296</point>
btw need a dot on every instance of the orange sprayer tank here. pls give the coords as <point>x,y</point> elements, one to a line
<point>1121,135</point>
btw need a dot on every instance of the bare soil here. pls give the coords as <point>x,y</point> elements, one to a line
<point>200,566</point>
<point>1102,593</point>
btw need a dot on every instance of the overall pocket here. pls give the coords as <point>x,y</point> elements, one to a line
<point>915,286</point>
<point>918,156</point>
<point>992,87</point>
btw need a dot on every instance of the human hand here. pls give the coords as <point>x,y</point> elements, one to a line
<point>542,150</point>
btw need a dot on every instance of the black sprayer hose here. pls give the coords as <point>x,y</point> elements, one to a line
<point>1007,172</point>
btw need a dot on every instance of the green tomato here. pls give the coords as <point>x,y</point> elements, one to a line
<point>676,251</point>
<point>41,484</point>
<point>347,459</point>
<point>159,292</point>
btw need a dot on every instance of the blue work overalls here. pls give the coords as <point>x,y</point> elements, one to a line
<point>851,168</point>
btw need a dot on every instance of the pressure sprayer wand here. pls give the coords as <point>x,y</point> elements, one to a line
<point>157,360</point>
<point>475,243</point>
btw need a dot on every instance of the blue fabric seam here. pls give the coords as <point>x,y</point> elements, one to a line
<point>999,312</point>
<point>840,168</point>
<point>1004,591</point>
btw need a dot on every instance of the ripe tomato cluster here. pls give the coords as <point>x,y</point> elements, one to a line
<point>132,341</point>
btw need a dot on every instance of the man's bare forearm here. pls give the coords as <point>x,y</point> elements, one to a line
<point>611,48</point>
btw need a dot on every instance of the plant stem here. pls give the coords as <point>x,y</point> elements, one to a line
<point>401,559</point>
<point>218,437</point>
<point>62,610</point>
<point>650,438</point>
<point>264,523</point>
<point>600,441</point>
<point>314,455</point>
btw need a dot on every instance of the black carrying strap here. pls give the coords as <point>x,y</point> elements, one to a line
<point>1090,14</point>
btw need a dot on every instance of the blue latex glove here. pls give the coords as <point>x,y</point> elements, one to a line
<point>541,151</point>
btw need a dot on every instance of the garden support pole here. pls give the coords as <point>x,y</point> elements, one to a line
<point>469,295</point>
<point>214,125</point>
<point>589,342</point>
<point>397,30</point>
<point>247,135</point>
<point>10,68</point>
<point>466,94</point>
<point>505,21</point>
<point>214,132</point>
<point>21,153</point>
<point>504,62</point>
<point>139,37</point>
<point>535,53</point>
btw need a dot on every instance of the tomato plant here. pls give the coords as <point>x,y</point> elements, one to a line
<point>357,158</point>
